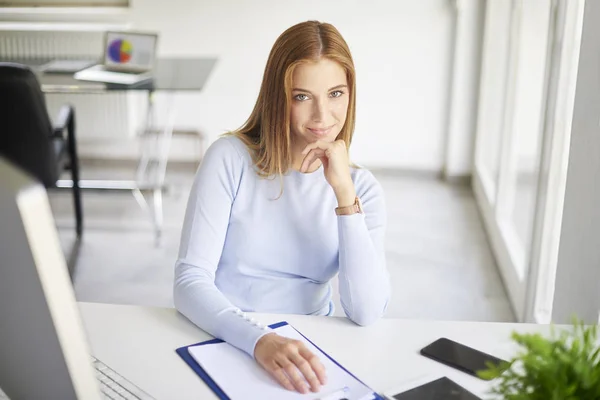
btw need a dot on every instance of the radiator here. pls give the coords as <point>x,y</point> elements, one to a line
<point>66,44</point>
<point>99,116</point>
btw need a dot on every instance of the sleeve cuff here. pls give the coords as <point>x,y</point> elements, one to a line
<point>242,331</point>
<point>350,221</point>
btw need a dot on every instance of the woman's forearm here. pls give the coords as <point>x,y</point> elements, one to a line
<point>363,277</point>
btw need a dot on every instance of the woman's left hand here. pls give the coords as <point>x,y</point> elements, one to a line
<point>336,166</point>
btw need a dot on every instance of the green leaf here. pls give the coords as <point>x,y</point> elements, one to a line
<point>563,366</point>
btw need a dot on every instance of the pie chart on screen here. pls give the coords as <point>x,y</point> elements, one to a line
<point>120,50</point>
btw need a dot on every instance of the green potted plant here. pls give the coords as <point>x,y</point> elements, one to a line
<point>565,366</point>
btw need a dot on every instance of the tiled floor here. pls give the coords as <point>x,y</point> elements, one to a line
<point>438,256</point>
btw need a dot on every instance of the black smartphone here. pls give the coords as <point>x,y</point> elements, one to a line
<point>440,389</point>
<point>459,356</point>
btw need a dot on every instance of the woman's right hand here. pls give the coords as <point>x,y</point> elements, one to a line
<point>290,362</point>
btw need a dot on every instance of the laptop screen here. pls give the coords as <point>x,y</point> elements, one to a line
<point>129,51</point>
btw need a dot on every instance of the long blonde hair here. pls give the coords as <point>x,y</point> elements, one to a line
<point>266,133</point>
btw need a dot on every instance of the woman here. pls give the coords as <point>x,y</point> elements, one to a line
<point>254,243</point>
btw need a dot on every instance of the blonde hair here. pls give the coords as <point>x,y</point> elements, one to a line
<point>266,133</point>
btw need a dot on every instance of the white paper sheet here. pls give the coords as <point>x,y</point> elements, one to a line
<point>240,377</point>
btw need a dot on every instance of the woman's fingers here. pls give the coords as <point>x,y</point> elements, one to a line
<point>311,146</point>
<point>327,146</point>
<point>307,370</point>
<point>290,363</point>
<point>311,157</point>
<point>294,375</point>
<point>325,151</point>
<point>315,363</point>
<point>312,152</point>
<point>316,145</point>
<point>281,377</point>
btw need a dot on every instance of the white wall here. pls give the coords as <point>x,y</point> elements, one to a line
<point>577,289</point>
<point>401,51</point>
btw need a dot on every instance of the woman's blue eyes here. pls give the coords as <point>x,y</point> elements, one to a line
<point>304,97</point>
<point>301,97</point>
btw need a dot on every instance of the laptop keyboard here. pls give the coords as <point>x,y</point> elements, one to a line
<point>114,387</point>
<point>97,73</point>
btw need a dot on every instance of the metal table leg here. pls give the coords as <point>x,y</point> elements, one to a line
<point>151,170</point>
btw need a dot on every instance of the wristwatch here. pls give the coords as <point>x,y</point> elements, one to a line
<point>355,208</point>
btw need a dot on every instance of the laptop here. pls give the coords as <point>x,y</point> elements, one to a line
<point>44,352</point>
<point>128,58</point>
<point>65,66</point>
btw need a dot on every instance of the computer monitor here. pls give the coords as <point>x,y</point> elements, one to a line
<point>128,58</point>
<point>129,51</point>
<point>43,348</point>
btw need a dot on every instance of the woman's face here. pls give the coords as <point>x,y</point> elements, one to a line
<point>319,102</point>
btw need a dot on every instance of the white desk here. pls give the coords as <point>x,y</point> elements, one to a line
<point>140,343</point>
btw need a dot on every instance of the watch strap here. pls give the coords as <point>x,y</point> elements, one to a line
<point>355,208</point>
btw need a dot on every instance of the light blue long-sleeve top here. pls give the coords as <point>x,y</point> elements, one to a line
<point>244,249</point>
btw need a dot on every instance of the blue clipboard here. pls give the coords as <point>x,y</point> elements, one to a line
<point>187,357</point>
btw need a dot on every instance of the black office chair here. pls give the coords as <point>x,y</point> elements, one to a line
<point>28,138</point>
